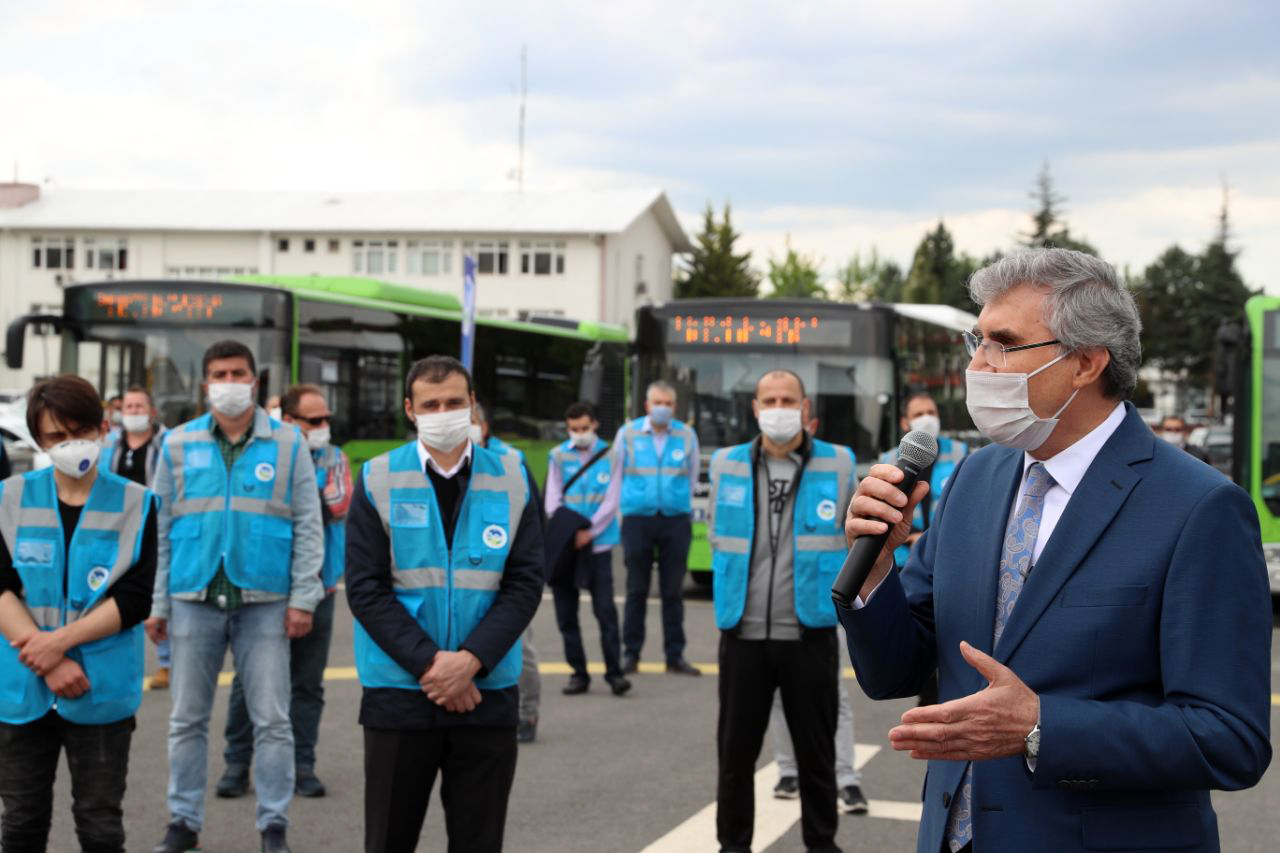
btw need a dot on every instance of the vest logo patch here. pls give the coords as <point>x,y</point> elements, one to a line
<point>677,455</point>
<point>34,552</point>
<point>97,577</point>
<point>495,536</point>
<point>827,510</point>
<point>602,478</point>
<point>264,472</point>
<point>196,458</point>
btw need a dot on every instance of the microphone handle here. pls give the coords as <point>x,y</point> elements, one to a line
<point>862,556</point>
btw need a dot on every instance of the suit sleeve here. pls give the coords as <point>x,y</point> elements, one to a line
<point>370,593</point>
<point>1212,729</point>
<point>892,640</point>
<point>520,592</point>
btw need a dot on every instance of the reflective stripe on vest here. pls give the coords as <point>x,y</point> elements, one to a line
<point>950,453</point>
<point>242,519</point>
<point>107,541</point>
<point>817,524</point>
<point>653,484</point>
<point>447,590</point>
<point>589,491</point>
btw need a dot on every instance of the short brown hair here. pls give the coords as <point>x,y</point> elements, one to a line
<point>434,368</point>
<point>228,349</point>
<point>138,389</point>
<point>293,396</point>
<point>69,399</point>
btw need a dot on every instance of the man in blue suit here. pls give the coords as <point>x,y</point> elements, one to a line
<point>1095,600</point>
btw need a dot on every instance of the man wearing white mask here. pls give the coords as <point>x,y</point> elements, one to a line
<point>1093,599</point>
<point>777,546</point>
<point>444,572</point>
<point>306,408</point>
<point>240,553</point>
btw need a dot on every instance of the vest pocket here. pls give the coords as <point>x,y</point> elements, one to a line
<point>113,666</point>
<point>270,553</point>
<point>15,679</point>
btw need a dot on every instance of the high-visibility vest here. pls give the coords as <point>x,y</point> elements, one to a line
<point>950,453</point>
<point>817,529</point>
<point>500,447</point>
<point>335,529</point>
<point>653,485</point>
<point>242,519</point>
<point>589,490</point>
<point>447,590</point>
<point>107,541</point>
<point>108,460</point>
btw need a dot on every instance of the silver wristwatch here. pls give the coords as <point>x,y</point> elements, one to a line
<point>1032,741</point>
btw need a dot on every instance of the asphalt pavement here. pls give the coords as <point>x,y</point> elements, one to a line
<point>606,774</point>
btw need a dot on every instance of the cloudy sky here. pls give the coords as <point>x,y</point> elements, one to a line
<point>845,125</point>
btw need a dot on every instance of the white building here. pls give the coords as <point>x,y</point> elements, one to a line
<point>587,255</point>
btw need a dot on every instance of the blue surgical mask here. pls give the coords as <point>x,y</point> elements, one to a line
<point>660,415</point>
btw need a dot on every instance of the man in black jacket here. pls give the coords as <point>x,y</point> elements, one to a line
<point>444,572</point>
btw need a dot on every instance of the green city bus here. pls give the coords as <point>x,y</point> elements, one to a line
<point>353,337</point>
<point>1256,420</point>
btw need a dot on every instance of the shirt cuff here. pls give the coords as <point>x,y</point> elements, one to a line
<point>859,603</point>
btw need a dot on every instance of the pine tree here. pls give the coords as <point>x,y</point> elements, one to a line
<point>795,277</point>
<point>1048,228</point>
<point>713,268</point>
<point>938,275</point>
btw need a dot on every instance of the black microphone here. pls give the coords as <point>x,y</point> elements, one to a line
<point>916,453</point>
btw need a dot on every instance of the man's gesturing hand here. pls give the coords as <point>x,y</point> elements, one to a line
<point>877,506</point>
<point>448,681</point>
<point>992,723</point>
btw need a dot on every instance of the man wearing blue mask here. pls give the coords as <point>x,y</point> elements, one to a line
<point>1094,599</point>
<point>655,465</point>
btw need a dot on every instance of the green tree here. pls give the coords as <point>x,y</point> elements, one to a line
<point>938,275</point>
<point>1048,228</point>
<point>795,277</point>
<point>867,280</point>
<point>714,269</point>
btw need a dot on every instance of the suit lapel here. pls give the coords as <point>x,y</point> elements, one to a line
<point>1005,477</point>
<point>1095,502</point>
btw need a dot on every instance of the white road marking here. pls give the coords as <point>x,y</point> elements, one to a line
<point>773,816</point>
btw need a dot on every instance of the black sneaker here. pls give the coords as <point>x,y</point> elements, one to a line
<point>234,782</point>
<point>178,838</point>
<point>630,664</point>
<point>578,683</point>
<point>788,788</point>
<point>273,839</point>
<point>527,731</point>
<point>852,801</point>
<point>619,684</point>
<point>307,784</point>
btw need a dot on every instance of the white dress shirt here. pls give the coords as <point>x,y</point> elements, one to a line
<point>425,459</point>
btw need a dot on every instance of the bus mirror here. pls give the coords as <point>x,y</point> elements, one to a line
<point>14,341</point>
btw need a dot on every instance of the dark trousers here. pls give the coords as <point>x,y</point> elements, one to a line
<point>566,600</point>
<point>98,758</point>
<point>804,672</point>
<point>308,656</point>
<point>477,765</point>
<point>669,536</point>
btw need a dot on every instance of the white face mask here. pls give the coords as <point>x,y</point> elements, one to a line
<point>276,412</point>
<point>475,432</point>
<point>76,457</point>
<point>444,431</point>
<point>116,417</point>
<point>231,398</point>
<point>1000,406</point>
<point>779,425</point>
<point>136,423</point>
<point>927,423</point>
<point>582,440</point>
<point>318,437</point>
<point>1177,439</point>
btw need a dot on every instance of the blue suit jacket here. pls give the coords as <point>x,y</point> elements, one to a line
<point>1145,628</point>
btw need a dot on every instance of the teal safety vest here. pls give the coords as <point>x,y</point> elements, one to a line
<point>950,452</point>
<point>242,520</point>
<point>447,590</point>
<point>651,485</point>
<point>500,447</point>
<point>106,542</point>
<point>588,492</point>
<point>817,525</point>
<point>335,529</point>
<point>109,461</point>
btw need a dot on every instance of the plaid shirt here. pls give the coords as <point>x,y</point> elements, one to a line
<point>221,591</point>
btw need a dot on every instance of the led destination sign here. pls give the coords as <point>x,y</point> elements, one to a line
<point>741,330</point>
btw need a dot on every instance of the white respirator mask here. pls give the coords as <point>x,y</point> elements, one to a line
<point>135,423</point>
<point>582,440</point>
<point>780,425</point>
<point>444,431</point>
<point>927,423</point>
<point>999,404</point>
<point>76,457</point>
<point>475,432</point>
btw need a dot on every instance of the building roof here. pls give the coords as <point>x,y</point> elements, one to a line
<point>446,212</point>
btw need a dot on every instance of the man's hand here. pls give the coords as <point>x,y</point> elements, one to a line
<point>582,539</point>
<point>876,506</point>
<point>157,628</point>
<point>992,723</point>
<point>67,680</point>
<point>465,703</point>
<point>297,623</point>
<point>41,651</point>
<point>447,679</point>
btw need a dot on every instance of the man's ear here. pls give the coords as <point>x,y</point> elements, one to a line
<point>1092,362</point>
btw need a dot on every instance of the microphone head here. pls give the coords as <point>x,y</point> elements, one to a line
<point>918,449</point>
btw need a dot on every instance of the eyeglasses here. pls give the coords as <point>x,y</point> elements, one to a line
<point>993,352</point>
<point>315,422</point>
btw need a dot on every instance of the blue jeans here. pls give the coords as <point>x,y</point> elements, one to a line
<point>200,635</point>
<point>670,536</point>
<point>308,657</point>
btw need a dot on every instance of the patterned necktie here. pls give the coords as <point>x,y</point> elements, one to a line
<point>1015,565</point>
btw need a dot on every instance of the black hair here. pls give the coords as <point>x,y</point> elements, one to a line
<point>228,349</point>
<point>435,368</point>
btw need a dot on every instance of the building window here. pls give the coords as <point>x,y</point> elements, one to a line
<point>429,257</point>
<point>542,258</point>
<point>393,251</point>
<point>309,245</point>
<point>491,256</point>
<point>53,253</point>
<point>374,256</point>
<point>106,254</point>
<point>334,246</point>
<point>282,245</point>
